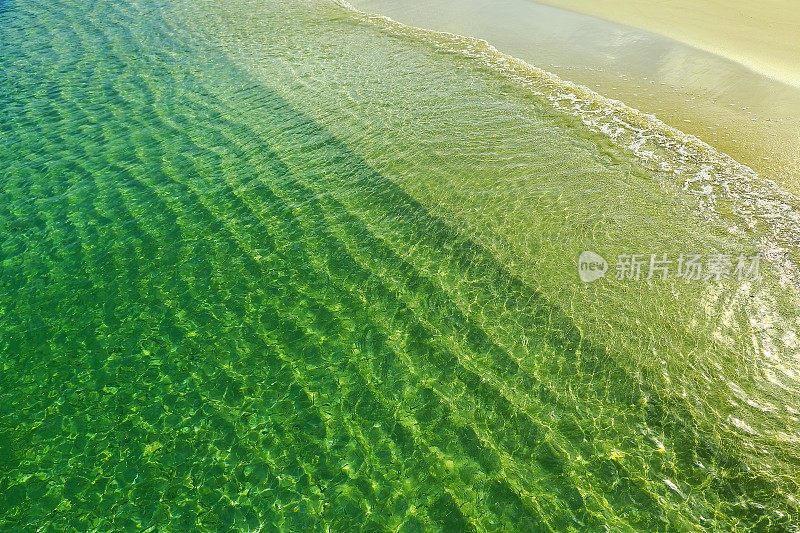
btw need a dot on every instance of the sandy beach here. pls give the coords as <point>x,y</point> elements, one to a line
<point>760,35</point>
<point>717,96</point>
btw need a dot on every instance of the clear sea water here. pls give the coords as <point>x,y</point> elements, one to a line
<point>286,266</point>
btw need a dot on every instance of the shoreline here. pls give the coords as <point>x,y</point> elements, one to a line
<point>750,117</point>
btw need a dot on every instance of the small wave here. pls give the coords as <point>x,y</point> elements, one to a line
<point>753,206</point>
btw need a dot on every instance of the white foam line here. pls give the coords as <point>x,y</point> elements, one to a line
<point>698,168</point>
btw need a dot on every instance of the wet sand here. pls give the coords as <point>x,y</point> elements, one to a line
<point>748,115</point>
<point>764,35</point>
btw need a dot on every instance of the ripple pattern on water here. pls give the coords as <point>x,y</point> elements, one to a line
<point>216,315</point>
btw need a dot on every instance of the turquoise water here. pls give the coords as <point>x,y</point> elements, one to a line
<point>284,266</point>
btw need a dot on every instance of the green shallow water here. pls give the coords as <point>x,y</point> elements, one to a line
<point>280,266</point>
